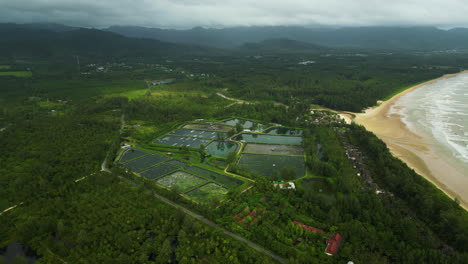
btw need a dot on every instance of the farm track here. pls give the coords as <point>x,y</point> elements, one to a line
<point>210,223</point>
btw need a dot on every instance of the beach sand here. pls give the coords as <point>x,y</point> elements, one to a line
<point>417,151</point>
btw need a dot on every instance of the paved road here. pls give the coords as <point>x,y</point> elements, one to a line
<point>212,224</point>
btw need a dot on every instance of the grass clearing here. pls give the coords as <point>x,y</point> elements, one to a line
<point>271,165</point>
<point>130,94</point>
<point>208,193</point>
<point>23,74</point>
<point>5,67</point>
<point>181,181</point>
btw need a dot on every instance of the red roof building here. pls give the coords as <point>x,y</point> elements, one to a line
<point>333,244</point>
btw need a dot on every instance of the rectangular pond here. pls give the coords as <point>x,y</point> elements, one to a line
<point>269,139</point>
<point>284,131</point>
<point>247,124</point>
<point>130,154</point>
<point>221,148</point>
<point>179,141</point>
<point>158,170</point>
<point>272,165</point>
<point>144,162</point>
<point>274,149</point>
<point>200,133</point>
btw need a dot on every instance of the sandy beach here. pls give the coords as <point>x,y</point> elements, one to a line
<point>417,151</point>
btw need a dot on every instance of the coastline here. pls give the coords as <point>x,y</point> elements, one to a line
<point>417,151</point>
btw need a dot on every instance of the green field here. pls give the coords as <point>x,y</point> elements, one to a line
<point>271,165</point>
<point>207,193</point>
<point>5,67</point>
<point>17,73</point>
<point>133,94</point>
<point>181,181</point>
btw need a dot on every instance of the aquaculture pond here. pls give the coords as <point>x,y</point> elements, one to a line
<point>130,154</point>
<point>179,141</point>
<point>144,162</point>
<point>272,165</point>
<point>200,133</point>
<point>274,149</point>
<point>284,131</point>
<point>221,148</point>
<point>247,124</point>
<point>269,139</point>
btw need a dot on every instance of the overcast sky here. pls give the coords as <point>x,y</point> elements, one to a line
<point>224,13</point>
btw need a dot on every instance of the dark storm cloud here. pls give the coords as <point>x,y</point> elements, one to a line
<point>189,13</point>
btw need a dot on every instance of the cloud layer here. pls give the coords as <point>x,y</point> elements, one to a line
<point>216,13</point>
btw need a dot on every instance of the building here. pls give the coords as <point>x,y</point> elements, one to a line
<point>333,244</point>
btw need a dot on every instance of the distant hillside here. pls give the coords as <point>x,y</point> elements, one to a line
<point>408,38</point>
<point>26,41</point>
<point>281,45</point>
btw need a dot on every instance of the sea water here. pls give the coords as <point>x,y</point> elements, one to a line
<point>439,110</point>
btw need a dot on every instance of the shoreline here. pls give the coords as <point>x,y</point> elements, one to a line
<point>417,151</point>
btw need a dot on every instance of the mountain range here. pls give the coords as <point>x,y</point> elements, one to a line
<point>378,38</point>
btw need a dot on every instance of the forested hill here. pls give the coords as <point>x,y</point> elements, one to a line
<point>282,46</point>
<point>46,42</point>
<point>407,38</point>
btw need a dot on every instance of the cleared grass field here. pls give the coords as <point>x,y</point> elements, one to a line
<point>179,141</point>
<point>273,149</point>
<point>269,139</point>
<point>227,181</point>
<point>130,154</point>
<point>221,148</point>
<point>158,170</point>
<point>181,181</point>
<point>144,162</point>
<point>17,73</point>
<point>200,133</point>
<point>5,67</point>
<point>210,127</point>
<point>271,165</point>
<point>130,94</point>
<point>208,193</point>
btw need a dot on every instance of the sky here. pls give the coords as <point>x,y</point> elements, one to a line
<point>182,14</point>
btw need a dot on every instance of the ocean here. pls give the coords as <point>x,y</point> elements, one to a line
<point>439,112</point>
